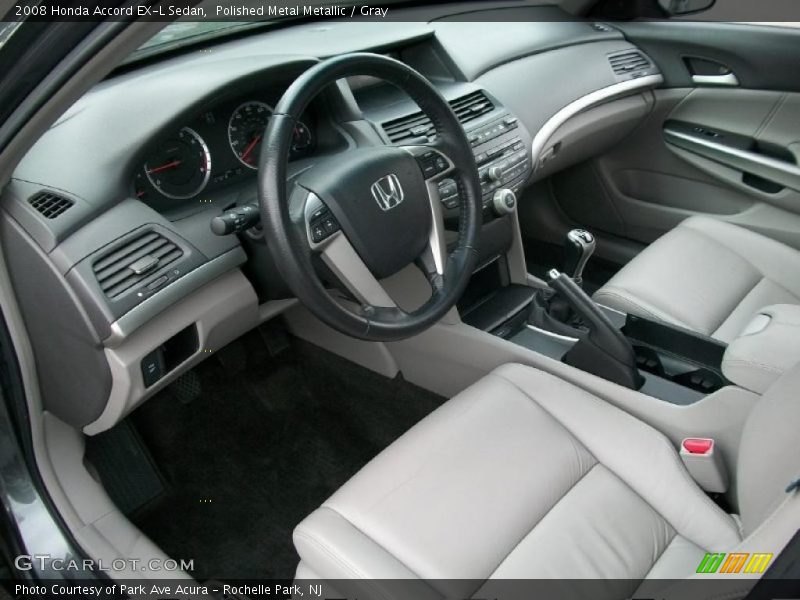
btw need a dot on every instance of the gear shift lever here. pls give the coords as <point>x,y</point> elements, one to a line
<point>603,350</point>
<point>577,252</point>
<point>552,310</point>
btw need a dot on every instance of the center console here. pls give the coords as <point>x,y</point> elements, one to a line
<point>562,322</point>
<point>503,159</point>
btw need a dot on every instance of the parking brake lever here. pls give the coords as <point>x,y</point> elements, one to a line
<point>603,351</point>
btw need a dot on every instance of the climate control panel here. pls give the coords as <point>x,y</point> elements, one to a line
<point>502,153</point>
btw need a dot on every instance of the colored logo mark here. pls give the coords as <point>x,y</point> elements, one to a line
<point>734,562</point>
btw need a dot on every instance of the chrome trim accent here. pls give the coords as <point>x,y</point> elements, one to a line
<point>388,192</point>
<point>728,79</point>
<point>161,300</point>
<point>584,102</point>
<point>437,242</point>
<point>230,122</point>
<point>342,259</point>
<point>206,175</point>
<point>772,169</point>
<point>557,336</point>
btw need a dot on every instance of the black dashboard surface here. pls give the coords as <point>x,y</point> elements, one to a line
<point>115,121</point>
<point>98,153</point>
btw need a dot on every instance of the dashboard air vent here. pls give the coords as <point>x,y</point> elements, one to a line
<point>417,125</point>
<point>628,62</point>
<point>135,261</point>
<point>471,106</point>
<point>408,128</point>
<point>50,205</point>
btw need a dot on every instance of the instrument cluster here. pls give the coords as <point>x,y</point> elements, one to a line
<point>218,147</point>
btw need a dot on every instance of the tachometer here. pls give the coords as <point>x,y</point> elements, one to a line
<point>245,130</point>
<point>180,166</point>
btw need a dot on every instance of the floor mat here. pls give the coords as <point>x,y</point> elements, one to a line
<point>126,469</point>
<point>265,443</point>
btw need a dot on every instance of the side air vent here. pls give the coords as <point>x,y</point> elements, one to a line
<point>417,125</point>
<point>50,205</point>
<point>133,263</point>
<point>628,62</point>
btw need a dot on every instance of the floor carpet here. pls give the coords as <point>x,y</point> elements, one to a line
<point>267,440</point>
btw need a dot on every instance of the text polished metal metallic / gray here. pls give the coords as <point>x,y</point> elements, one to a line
<point>387,192</point>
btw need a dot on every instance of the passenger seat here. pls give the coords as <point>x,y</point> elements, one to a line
<point>708,276</point>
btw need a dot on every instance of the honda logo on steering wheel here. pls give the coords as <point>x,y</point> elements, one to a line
<point>387,192</point>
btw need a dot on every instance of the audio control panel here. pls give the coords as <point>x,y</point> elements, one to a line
<point>502,153</point>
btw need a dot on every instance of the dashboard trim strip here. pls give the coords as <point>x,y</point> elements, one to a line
<point>152,306</point>
<point>585,102</point>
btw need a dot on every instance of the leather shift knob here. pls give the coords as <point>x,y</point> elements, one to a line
<point>578,249</point>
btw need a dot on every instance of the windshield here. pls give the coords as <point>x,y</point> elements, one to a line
<point>208,22</point>
<point>183,33</point>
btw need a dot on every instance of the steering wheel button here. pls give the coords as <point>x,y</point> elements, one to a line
<point>451,202</point>
<point>318,233</point>
<point>330,225</point>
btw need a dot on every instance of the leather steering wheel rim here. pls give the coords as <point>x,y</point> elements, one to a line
<point>285,227</point>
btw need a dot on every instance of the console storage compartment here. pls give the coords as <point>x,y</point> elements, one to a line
<point>679,355</point>
<point>490,303</point>
<point>677,365</point>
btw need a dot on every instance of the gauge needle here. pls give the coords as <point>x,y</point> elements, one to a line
<point>250,147</point>
<point>164,167</point>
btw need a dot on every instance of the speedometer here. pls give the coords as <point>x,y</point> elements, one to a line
<point>245,130</point>
<point>179,167</point>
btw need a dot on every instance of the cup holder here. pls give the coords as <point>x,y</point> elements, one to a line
<point>702,380</point>
<point>684,374</point>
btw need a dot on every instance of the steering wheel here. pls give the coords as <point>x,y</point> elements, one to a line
<point>371,211</point>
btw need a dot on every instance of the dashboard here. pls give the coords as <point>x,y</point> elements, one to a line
<point>143,162</point>
<point>217,147</point>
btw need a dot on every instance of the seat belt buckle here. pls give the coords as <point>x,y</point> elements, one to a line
<point>704,464</point>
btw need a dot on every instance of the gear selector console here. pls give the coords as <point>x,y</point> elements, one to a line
<point>659,359</point>
<point>603,351</point>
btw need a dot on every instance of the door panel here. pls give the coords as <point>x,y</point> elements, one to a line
<point>762,57</point>
<point>728,152</point>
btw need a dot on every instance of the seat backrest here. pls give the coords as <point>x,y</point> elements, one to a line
<point>769,454</point>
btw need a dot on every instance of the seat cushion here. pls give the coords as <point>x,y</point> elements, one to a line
<point>708,276</point>
<point>522,475</point>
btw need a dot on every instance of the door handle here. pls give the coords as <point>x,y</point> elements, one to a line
<point>708,71</point>
<point>728,79</point>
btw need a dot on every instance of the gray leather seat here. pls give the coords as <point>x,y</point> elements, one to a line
<point>524,475</point>
<point>708,276</point>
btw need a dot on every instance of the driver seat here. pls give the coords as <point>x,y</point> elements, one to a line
<point>526,476</point>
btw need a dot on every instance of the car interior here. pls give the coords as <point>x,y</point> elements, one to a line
<point>508,292</point>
